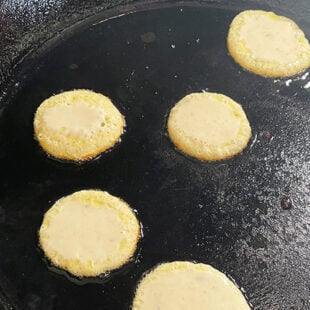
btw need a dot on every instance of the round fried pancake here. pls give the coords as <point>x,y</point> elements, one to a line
<point>185,285</point>
<point>77,125</point>
<point>89,232</point>
<point>268,44</point>
<point>209,126</point>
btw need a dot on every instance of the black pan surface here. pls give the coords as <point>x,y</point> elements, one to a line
<point>247,216</point>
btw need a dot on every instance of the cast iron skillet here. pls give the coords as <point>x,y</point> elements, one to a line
<point>247,216</point>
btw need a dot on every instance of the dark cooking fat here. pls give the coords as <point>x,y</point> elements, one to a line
<point>25,24</point>
<point>227,214</point>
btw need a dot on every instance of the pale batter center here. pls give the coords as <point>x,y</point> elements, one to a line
<point>270,39</point>
<point>208,120</point>
<point>76,118</point>
<point>85,232</point>
<point>190,289</point>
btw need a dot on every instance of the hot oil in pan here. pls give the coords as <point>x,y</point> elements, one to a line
<point>104,277</point>
<point>100,279</point>
<point>227,214</point>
